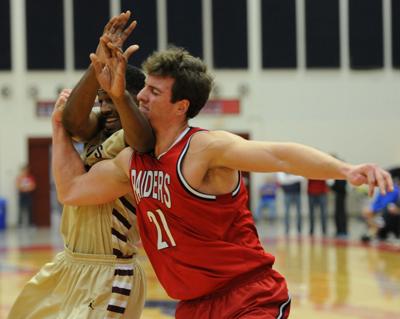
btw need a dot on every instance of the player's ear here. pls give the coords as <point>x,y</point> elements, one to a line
<point>183,106</point>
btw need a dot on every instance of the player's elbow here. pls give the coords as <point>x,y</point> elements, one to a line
<point>146,147</point>
<point>143,145</point>
<point>63,199</point>
<point>73,127</point>
<point>66,197</point>
<point>70,201</point>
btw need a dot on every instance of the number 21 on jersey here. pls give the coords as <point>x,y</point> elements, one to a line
<point>161,243</point>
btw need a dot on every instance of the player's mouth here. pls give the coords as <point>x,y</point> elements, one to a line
<point>111,120</point>
<point>143,108</point>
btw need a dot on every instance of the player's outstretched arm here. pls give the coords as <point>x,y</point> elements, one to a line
<point>228,150</point>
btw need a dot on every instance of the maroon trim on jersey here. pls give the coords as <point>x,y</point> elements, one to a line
<point>186,186</point>
<point>128,205</point>
<point>120,255</point>
<point>116,309</point>
<point>121,218</point>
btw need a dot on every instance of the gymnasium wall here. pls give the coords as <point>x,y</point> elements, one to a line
<point>327,76</point>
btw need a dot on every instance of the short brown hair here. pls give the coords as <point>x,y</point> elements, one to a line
<point>192,80</point>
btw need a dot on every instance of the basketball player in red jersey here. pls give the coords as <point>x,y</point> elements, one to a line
<point>192,214</point>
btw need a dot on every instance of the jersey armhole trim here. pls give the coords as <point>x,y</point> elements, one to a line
<point>183,180</point>
<point>237,188</point>
<point>186,185</point>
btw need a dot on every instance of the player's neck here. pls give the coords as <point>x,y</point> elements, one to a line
<point>166,137</point>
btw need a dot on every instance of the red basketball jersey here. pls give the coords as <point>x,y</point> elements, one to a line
<point>197,243</point>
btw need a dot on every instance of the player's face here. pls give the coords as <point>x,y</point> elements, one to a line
<point>110,116</point>
<point>155,98</point>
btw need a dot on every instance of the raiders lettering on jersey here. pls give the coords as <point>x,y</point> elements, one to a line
<point>152,184</point>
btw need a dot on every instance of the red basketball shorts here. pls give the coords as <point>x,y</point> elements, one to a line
<point>265,296</point>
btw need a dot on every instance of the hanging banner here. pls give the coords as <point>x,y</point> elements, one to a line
<point>222,106</point>
<point>44,108</point>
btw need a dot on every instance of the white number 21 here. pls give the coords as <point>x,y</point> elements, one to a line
<point>161,244</point>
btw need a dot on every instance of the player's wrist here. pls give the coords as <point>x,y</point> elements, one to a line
<point>121,96</point>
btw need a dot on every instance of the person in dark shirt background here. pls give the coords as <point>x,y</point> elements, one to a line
<point>339,187</point>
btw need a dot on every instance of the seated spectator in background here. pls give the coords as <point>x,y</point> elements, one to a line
<point>291,186</point>
<point>383,215</point>
<point>267,193</point>
<point>391,221</point>
<point>339,187</point>
<point>26,185</point>
<point>317,197</point>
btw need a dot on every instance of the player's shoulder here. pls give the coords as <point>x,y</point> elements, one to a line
<point>216,137</point>
<point>124,155</point>
<point>211,136</point>
<point>126,152</point>
<point>123,158</point>
<point>210,141</point>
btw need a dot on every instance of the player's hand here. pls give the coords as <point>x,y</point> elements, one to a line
<point>373,176</point>
<point>116,31</point>
<point>59,106</point>
<point>110,71</point>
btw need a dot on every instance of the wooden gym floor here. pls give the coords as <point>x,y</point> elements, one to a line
<point>328,279</point>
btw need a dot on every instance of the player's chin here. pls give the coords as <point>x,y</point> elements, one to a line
<point>111,129</point>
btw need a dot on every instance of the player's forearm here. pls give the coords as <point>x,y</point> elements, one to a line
<point>303,160</point>
<point>79,105</point>
<point>137,130</point>
<point>66,163</point>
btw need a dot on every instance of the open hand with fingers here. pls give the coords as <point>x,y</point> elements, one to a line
<point>116,31</point>
<point>110,69</point>
<point>372,175</point>
<point>109,61</point>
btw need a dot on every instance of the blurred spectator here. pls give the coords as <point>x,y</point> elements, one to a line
<point>267,200</point>
<point>317,197</point>
<point>383,215</point>
<point>391,221</point>
<point>339,187</point>
<point>26,185</point>
<point>291,186</point>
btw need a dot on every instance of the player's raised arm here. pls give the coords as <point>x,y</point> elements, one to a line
<point>110,72</point>
<point>78,118</point>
